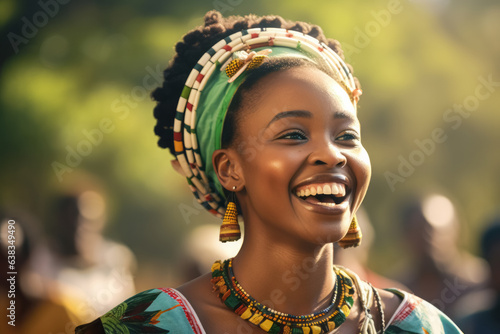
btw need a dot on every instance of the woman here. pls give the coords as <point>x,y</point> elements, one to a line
<point>266,127</point>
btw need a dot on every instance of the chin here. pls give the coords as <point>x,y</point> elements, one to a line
<point>328,231</point>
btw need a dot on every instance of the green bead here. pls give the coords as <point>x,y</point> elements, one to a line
<point>232,302</point>
<point>339,318</point>
<point>349,301</point>
<point>275,329</point>
<point>185,92</point>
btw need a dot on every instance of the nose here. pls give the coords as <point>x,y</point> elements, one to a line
<point>328,154</point>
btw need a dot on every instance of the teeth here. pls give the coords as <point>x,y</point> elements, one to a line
<point>335,189</point>
<point>338,190</point>
<point>327,204</point>
<point>341,190</point>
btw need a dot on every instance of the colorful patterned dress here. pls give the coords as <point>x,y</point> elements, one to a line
<point>167,311</point>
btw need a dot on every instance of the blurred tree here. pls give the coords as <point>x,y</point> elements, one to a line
<point>75,97</point>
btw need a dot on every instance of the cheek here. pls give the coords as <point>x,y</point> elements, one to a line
<point>362,168</point>
<point>274,168</point>
<point>362,171</point>
<point>366,166</point>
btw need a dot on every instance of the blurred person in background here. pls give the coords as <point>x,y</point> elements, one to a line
<point>201,247</point>
<point>88,273</point>
<point>441,272</point>
<point>26,306</point>
<point>357,259</point>
<point>487,320</point>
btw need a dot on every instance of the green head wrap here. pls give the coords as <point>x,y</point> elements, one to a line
<point>212,109</point>
<point>208,93</point>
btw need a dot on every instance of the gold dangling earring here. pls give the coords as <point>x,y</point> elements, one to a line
<point>230,229</point>
<point>353,236</point>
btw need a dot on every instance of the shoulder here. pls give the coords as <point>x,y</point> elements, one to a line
<point>154,310</point>
<point>199,291</point>
<point>391,302</point>
<point>415,315</point>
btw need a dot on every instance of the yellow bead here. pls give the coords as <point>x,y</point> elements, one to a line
<point>266,325</point>
<point>315,329</point>
<point>256,61</point>
<point>247,314</point>
<point>233,67</point>
<point>256,319</point>
<point>216,266</point>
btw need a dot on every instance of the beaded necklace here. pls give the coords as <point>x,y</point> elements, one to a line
<point>236,287</point>
<point>271,321</point>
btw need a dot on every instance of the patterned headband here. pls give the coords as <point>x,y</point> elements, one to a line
<point>209,89</point>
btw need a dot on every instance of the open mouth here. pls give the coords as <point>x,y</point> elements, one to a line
<point>327,194</point>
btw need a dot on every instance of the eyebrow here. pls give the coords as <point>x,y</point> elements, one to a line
<point>304,114</point>
<point>341,115</point>
<point>290,113</point>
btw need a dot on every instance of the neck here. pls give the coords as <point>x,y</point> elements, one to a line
<point>284,276</point>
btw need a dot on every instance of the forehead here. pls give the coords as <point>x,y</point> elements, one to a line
<point>301,88</point>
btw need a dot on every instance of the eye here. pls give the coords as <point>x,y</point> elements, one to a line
<point>294,135</point>
<point>348,136</point>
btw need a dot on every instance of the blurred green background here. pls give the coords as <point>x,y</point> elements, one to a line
<point>87,64</point>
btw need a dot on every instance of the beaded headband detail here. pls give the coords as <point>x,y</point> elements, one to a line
<point>242,61</point>
<point>213,82</point>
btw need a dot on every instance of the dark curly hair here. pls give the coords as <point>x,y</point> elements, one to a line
<point>196,42</point>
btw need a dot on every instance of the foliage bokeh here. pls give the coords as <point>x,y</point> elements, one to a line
<point>88,63</point>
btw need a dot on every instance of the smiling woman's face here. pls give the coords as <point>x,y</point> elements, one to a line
<point>304,172</point>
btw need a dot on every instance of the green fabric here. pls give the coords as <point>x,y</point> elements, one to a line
<point>151,311</point>
<point>210,115</point>
<point>212,108</point>
<point>155,311</point>
<point>420,317</point>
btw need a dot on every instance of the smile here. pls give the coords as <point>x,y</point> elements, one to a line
<point>324,194</point>
<point>327,191</point>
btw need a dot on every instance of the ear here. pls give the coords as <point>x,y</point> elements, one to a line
<point>228,168</point>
